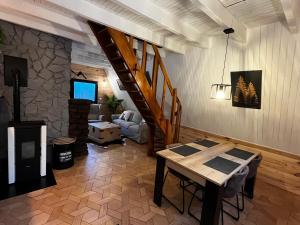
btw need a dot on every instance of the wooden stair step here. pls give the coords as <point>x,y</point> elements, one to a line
<point>142,106</point>
<point>144,109</point>
<point>117,58</point>
<point>128,81</point>
<point>133,91</point>
<point>122,71</point>
<point>110,45</point>
<point>102,30</point>
<point>139,100</point>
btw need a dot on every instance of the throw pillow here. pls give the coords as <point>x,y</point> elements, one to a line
<point>127,115</point>
<point>121,116</point>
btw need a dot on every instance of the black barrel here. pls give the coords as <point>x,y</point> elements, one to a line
<point>63,153</point>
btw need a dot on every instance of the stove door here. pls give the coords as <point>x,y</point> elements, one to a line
<point>28,153</point>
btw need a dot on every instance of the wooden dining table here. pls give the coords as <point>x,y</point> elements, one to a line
<point>214,161</point>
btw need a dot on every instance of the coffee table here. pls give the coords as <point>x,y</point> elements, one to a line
<point>104,132</point>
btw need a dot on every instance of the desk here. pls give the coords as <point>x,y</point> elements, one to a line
<point>197,166</point>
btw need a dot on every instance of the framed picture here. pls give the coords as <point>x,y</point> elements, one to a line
<point>120,84</point>
<point>246,89</point>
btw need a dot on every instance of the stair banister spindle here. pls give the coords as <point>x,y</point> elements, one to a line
<point>163,97</point>
<point>144,59</point>
<point>131,42</point>
<point>163,68</point>
<point>154,75</point>
<point>174,103</point>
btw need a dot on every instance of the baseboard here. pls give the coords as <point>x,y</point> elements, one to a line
<point>249,144</point>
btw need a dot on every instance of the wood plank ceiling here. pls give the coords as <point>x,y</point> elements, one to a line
<point>255,12</point>
<point>172,24</point>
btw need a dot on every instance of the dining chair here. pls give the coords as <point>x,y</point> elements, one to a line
<point>184,182</point>
<point>231,190</point>
<point>253,166</point>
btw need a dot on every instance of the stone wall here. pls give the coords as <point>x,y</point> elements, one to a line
<point>49,60</point>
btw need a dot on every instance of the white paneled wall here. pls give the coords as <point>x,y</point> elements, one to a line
<point>270,48</point>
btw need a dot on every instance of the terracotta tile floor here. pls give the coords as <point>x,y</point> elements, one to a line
<point>115,186</point>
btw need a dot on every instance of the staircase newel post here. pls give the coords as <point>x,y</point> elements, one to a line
<point>168,136</point>
<point>151,151</point>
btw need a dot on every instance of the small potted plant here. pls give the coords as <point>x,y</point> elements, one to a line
<point>113,103</point>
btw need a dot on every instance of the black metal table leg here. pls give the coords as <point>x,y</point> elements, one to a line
<point>249,187</point>
<point>212,201</point>
<point>159,179</point>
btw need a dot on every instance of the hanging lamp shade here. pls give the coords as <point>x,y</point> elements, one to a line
<point>222,91</point>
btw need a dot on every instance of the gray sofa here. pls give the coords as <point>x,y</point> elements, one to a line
<point>133,126</point>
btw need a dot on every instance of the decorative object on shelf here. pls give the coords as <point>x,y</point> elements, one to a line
<point>79,74</point>
<point>120,84</point>
<point>246,89</point>
<point>221,90</point>
<point>113,103</point>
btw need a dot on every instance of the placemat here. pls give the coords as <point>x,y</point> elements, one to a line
<point>223,165</point>
<point>185,150</point>
<point>239,153</point>
<point>206,143</point>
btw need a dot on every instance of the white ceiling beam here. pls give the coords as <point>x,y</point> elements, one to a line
<point>164,19</point>
<point>291,9</point>
<point>42,25</point>
<point>35,10</point>
<point>103,16</point>
<point>218,13</point>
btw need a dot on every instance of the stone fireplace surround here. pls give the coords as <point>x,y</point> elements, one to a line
<point>49,60</point>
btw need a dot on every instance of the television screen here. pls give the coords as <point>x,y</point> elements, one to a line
<point>84,89</point>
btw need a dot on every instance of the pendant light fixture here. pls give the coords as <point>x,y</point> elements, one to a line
<point>221,90</point>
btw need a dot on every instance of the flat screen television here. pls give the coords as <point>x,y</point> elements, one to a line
<point>84,89</point>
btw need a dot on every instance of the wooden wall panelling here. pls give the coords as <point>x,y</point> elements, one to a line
<point>104,87</point>
<point>270,48</point>
<point>95,74</point>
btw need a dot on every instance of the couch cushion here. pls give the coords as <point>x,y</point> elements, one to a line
<point>117,121</point>
<point>121,116</point>
<point>134,129</point>
<point>137,118</point>
<point>126,124</point>
<point>123,123</point>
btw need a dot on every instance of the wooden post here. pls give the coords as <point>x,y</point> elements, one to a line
<point>151,141</point>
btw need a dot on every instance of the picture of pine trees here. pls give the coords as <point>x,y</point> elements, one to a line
<point>246,89</point>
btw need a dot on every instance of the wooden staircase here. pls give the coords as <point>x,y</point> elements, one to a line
<point>118,48</point>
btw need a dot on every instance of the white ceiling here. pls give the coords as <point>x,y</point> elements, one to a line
<point>255,12</point>
<point>173,24</point>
